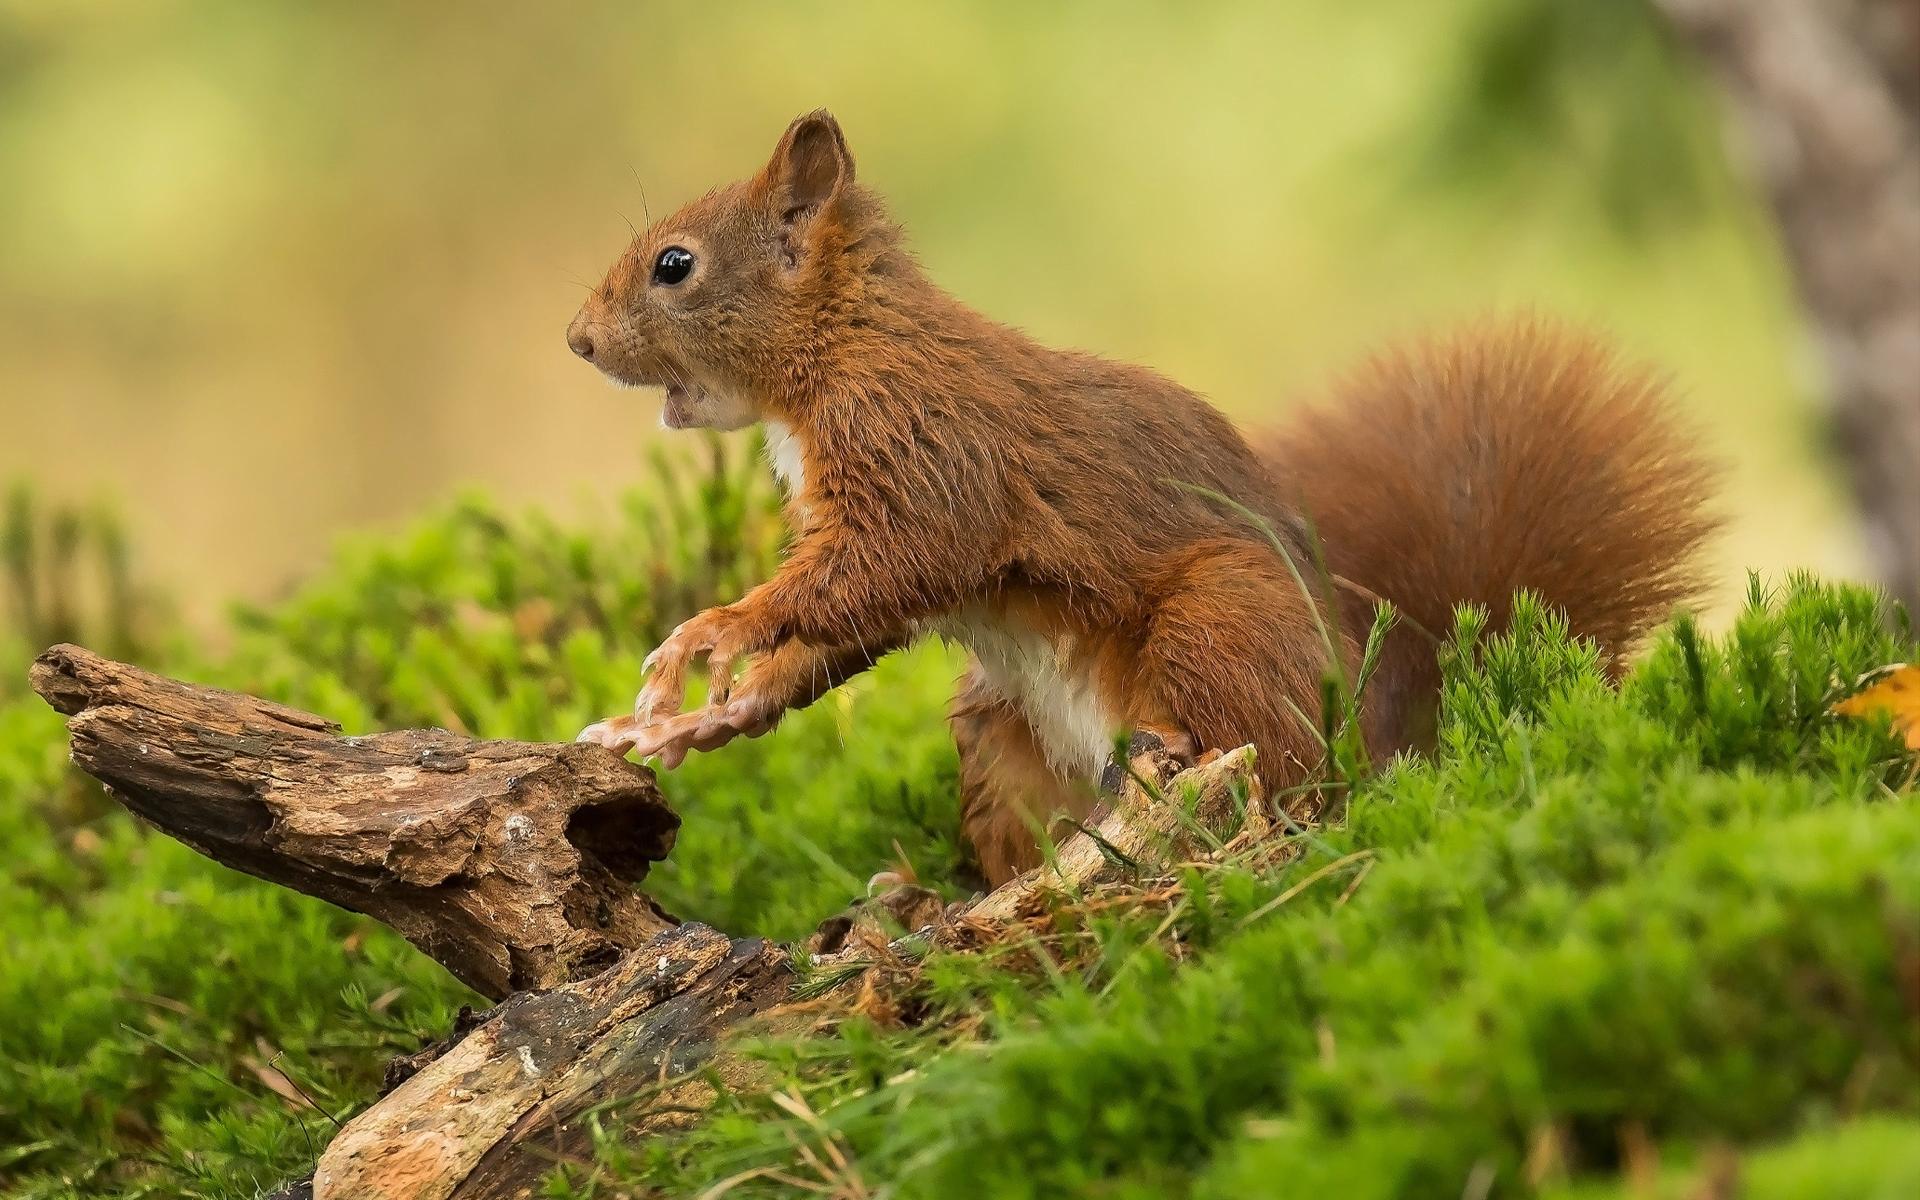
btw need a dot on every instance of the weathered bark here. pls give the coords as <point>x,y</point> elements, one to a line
<point>1826,94</point>
<point>500,1108</point>
<point>511,863</point>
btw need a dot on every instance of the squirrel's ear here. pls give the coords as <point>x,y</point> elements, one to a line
<point>810,167</point>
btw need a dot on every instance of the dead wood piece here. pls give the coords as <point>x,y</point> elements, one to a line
<point>512,863</point>
<point>1163,814</point>
<point>501,1107</point>
<point>487,1117</point>
<point>878,918</point>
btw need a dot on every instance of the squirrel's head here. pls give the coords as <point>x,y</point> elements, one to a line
<point>727,303</point>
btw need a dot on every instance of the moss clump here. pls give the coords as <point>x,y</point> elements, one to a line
<point>1602,926</point>
<point>1680,911</point>
<point>158,1011</point>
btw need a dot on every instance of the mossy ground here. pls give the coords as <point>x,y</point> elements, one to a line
<point>1607,941</point>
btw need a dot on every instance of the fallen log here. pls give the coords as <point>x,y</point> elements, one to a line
<point>514,864</point>
<point>501,1107</point>
<point>1162,813</point>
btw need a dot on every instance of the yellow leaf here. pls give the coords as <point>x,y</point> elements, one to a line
<point>1895,690</point>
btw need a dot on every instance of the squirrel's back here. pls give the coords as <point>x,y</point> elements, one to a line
<point>1514,453</point>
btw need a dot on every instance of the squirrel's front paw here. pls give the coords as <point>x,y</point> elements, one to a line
<point>707,729</point>
<point>671,740</point>
<point>718,633</point>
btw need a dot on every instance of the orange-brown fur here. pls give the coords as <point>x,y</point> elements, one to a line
<point>1508,455</point>
<point>956,471</point>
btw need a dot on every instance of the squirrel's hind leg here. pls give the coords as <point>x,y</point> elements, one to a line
<point>1233,656</point>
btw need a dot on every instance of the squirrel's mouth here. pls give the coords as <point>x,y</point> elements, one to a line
<point>683,402</point>
<point>681,408</point>
<point>698,406</point>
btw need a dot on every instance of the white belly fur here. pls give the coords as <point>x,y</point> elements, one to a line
<point>1037,673</point>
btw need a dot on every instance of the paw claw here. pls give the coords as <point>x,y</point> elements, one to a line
<point>616,734</point>
<point>649,704</point>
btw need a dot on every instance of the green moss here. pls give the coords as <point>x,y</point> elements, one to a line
<point>1867,1158</point>
<point>149,996</point>
<point>1676,911</point>
<point>1587,914</point>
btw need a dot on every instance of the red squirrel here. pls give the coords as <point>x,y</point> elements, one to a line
<point>948,474</point>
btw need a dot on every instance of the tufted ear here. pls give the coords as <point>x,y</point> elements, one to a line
<point>810,167</point>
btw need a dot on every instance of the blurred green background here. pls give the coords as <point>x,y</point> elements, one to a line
<point>271,271</point>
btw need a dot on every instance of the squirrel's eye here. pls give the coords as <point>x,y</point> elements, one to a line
<point>673,266</point>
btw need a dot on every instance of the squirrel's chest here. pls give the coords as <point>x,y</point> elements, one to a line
<point>1047,678</point>
<point>784,454</point>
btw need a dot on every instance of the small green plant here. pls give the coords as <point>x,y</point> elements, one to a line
<point>66,575</point>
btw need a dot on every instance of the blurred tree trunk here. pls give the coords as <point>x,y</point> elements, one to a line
<point>1827,95</point>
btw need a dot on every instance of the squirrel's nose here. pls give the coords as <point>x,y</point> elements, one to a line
<point>580,336</point>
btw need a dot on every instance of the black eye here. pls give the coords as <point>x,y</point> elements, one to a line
<point>673,266</point>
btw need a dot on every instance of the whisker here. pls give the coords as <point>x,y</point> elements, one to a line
<point>672,371</point>
<point>634,171</point>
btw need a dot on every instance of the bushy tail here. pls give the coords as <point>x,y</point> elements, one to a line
<point>1511,454</point>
